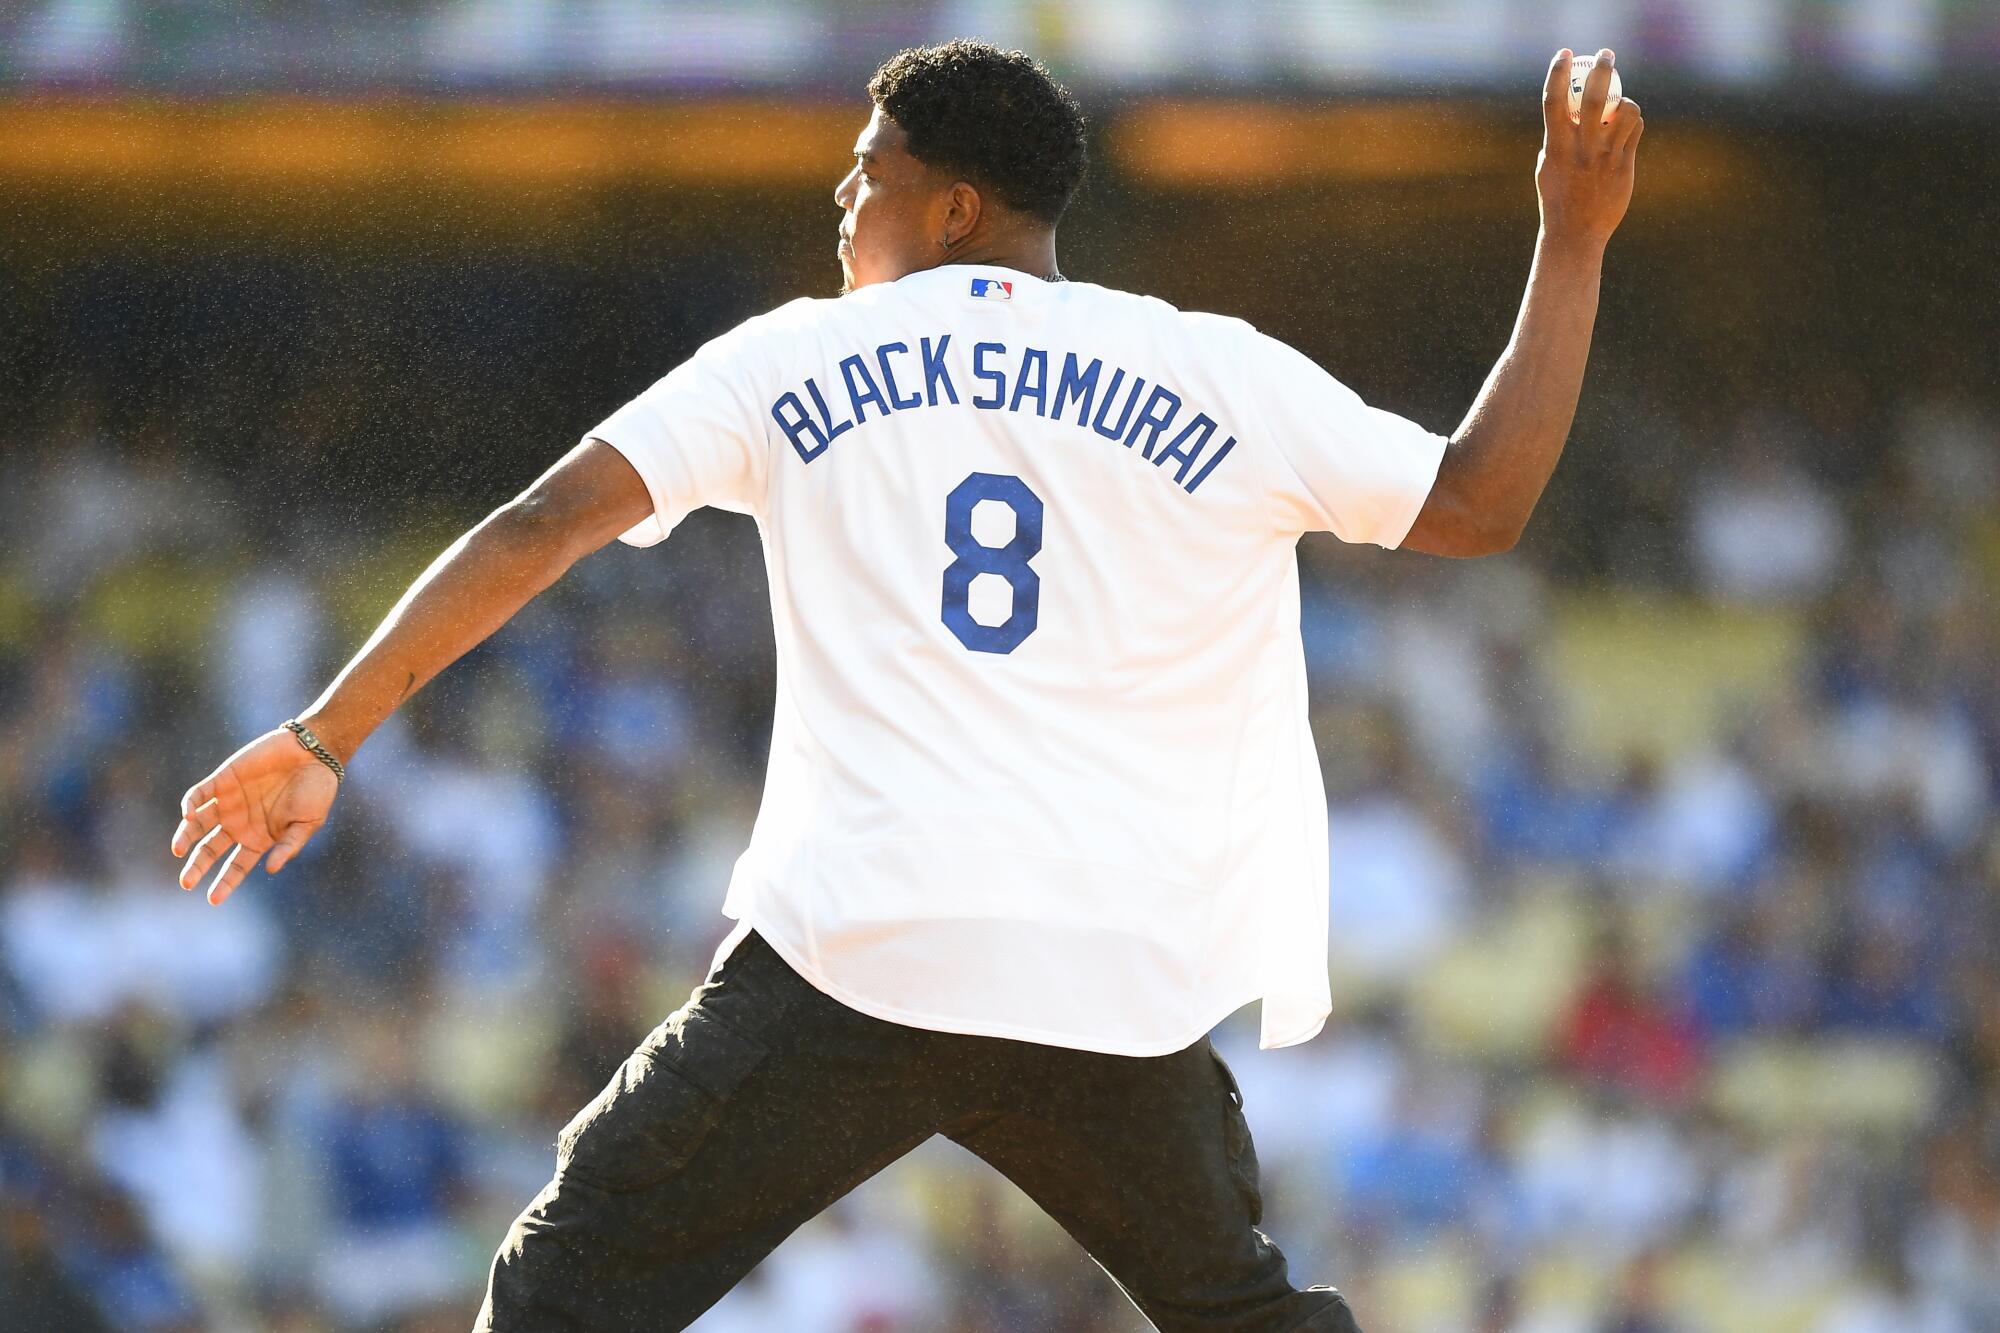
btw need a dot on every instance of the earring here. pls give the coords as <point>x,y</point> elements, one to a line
<point>947,242</point>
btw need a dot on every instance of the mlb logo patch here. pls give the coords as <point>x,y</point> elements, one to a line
<point>992,289</point>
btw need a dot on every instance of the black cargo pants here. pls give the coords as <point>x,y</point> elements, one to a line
<point>763,1100</point>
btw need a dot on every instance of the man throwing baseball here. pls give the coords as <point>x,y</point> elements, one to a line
<point>1042,806</point>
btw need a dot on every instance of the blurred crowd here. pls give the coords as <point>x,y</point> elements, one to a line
<point>704,43</point>
<point>1665,895</point>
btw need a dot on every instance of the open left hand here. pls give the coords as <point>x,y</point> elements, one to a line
<point>270,796</point>
<point>1584,175</point>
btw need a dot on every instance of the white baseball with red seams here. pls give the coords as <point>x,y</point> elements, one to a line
<point>1579,70</point>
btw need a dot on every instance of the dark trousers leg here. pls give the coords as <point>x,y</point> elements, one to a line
<point>1148,1164</point>
<point>749,1111</point>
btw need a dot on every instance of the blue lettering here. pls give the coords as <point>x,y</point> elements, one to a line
<point>851,367</point>
<point>896,400</point>
<point>832,431</point>
<point>1034,358</point>
<point>1110,395</point>
<point>1150,417</point>
<point>799,424</point>
<point>1220,454</point>
<point>1202,425</point>
<point>935,373</point>
<point>980,372</point>
<point>1082,387</point>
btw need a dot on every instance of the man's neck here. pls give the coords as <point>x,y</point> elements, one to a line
<point>1031,255</point>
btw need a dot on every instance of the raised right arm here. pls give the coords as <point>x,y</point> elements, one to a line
<point>272,795</point>
<point>1504,452</point>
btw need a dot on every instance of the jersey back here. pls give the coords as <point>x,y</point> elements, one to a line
<point>1040,765</point>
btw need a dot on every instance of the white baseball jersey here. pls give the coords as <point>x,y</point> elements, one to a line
<point>1040,765</point>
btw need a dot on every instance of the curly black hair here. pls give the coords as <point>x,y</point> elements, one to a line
<point>996,118</point>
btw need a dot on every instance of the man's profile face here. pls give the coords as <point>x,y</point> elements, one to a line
<point>894,206</point>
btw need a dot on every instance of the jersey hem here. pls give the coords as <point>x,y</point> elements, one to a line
<point>1304,1035</point>
<point>905,1018</point>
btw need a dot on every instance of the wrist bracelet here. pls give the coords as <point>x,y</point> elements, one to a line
<point>314,748</point>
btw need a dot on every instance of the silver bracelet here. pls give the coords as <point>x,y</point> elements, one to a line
<point>314,748</point>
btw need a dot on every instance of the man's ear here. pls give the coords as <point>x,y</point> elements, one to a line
<point>961,211</point>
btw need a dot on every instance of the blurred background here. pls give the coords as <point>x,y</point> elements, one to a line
<point>1666,887</point>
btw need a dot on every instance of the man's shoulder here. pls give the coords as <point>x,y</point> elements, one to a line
<point>753,342</point>
<point>807,318</point>
<point>795,315</point>
<point>1155,309</point>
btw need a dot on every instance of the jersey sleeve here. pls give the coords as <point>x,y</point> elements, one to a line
<point>1340,466</point>
<point>695,437</point>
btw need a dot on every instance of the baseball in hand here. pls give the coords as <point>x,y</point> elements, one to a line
<point>1579,69</point>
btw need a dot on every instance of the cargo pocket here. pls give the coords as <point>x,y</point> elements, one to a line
<point>1241,1152</point>
<point>654,1113</point>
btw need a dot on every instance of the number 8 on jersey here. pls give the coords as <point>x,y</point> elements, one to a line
<point>1009,562</point>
